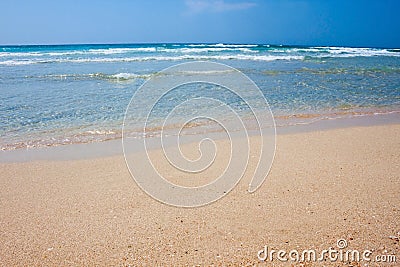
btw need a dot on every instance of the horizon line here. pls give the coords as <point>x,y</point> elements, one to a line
<point>195,43</point>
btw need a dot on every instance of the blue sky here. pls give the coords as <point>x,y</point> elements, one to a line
<point>297,22</point>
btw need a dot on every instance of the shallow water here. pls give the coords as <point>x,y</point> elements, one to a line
<point>52,95</point>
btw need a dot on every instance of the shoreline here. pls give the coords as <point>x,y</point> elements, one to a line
<point>282,123</point>
<point>324,186</point>
<point>113,147</point>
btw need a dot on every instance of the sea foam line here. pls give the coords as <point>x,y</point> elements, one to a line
<point>154,58</point>
<point>202,48</point>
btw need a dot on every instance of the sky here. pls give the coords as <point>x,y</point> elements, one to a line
<point>361,23</point>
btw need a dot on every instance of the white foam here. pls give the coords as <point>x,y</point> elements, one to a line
<point>190,53</point>
<point>193,51</point>
<point>158,58</point>
<point>17,62</point>
<point>234,45</point>
<point>122,50</point>
<point>206,49</point>
<point>204,72</point>
<point>222,45</point>
<point>337,51</point>
<point>124,76</point>
<point>109,51</point>
<point>20,54</point>
<point>100,132</point>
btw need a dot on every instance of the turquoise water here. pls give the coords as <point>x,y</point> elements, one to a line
<point>52,95</point>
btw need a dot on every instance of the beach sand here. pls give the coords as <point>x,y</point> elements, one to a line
<point>323,186</point>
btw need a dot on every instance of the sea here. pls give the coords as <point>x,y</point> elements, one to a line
<point>53,95</point>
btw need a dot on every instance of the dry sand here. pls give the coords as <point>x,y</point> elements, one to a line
<point>323,186</point>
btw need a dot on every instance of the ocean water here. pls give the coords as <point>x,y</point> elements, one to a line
<point>62,94</point>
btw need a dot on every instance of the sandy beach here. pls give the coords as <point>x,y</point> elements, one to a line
<point>200,133</point>
<point>323,186</point>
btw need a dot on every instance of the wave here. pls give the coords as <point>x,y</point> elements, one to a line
<point>20,54</point>
<point>223,45</point>
<point>189,52</point>
<point>354,52</point>
<point>115,51</point>
<point>118,77</point>
<point>110,51</point>
<point>154,58</point>
<point>124,76</point>
<point>206,50</point>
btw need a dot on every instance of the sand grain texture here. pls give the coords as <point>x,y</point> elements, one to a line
<point>326,185</point>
